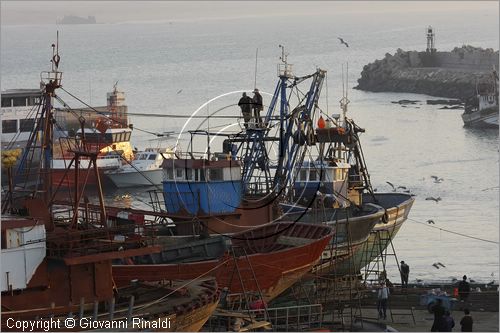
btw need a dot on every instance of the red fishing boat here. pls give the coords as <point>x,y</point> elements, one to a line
<point>265,260</point>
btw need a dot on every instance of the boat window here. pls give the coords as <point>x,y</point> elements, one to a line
<point>170,173</point>
<point>19,101</point>
<point>152,157</point>
<point>303,175</point>
<point>189,174</point>
<point>202,175</point>
<point>216,174</point>
<point>196,175</point>
<point>339,174</point>
<point>178,173</point>
<point>126,136</point>
<point>33,100</point>
<point>26,125</point>
<point>313,175</point>
<point>9,126</point>
<point>6,102</point>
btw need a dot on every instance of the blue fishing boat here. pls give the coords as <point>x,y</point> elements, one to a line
<point>202,187</point>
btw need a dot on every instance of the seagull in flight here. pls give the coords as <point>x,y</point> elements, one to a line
<point>435,265</point>
<point>430,221</point>
<point>440,264</point>
<point>434,199</point>
<point>393,187</point>
<point>402,187</point>
<point>437,179</point>
<point>179,92</point>
<point>343,42</point>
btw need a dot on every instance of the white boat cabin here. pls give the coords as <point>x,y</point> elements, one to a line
<point>23,250</point>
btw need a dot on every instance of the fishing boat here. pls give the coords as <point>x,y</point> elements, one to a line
<point>104,129</point>
<point>65,281</point>
<point>239,186</point>
<point>262,261</point>
<point>482,109</point>
<point>144,170</point>
<point>339,178</point>
<point>18,109</point>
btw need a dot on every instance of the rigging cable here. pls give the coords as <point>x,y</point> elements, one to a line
<point>454,232</point>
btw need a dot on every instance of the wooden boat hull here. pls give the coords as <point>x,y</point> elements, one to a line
<point>248,215</point>
<point>173,308</point>
<point>261,261</point>
<point>397,207</point>
<point>352,229</point>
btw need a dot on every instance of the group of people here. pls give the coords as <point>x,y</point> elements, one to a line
<point>443,321</point>
<point>249,104</point>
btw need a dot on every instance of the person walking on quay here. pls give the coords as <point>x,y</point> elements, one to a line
<point>245,104</point>
<point>449,323</point>
<point>439,322</point>
<point>405,273</point>
<point>382,299</point>
<point>463,289</point>
<point>257,106</point>
<point>466,321</point>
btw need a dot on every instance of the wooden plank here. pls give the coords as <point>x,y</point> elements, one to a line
<point>111,255</point>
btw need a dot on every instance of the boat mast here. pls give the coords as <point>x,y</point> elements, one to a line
<point>50,81</point>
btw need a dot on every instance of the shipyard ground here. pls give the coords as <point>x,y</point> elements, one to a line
<point>406,314</point>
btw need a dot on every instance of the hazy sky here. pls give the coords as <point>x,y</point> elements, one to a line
<point>47,12</point>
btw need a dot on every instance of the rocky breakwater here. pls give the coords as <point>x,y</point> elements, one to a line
<point>451,74</point>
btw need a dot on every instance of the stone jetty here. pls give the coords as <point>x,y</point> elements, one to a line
<point>452,74</point>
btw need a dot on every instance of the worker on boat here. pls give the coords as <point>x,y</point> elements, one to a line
<point>245,104</point>
<point>257,106</point>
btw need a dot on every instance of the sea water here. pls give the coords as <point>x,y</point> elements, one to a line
<point>174,67</point>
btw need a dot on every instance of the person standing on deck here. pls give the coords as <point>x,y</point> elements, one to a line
<point>382,298</point>
<point>257,106</point>
<point>246,104</point>
<point>405,273</point>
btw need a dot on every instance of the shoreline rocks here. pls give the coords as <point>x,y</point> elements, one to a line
<point>442,74</point>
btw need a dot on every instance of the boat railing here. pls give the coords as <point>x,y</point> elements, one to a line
<point>291,318</point>
<point>75,243</point>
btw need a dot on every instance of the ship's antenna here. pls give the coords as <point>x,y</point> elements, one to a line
<point>255,79</point>
<point>208,133</point>
<point>344,101</point>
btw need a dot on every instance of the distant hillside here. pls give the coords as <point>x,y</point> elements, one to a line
<point>77,20</point>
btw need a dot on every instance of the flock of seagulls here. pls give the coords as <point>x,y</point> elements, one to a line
<point>394,188</point>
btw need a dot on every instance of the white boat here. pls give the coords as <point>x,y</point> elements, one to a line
<point>18,111</point>
<point>482,110</point>
<point>144,170</point>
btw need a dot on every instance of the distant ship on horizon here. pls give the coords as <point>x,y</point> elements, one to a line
<point>71,19</point>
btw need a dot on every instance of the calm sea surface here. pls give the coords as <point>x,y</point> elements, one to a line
<point>173,68</point>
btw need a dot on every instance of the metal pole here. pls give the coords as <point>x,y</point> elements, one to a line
<point>255,79</point>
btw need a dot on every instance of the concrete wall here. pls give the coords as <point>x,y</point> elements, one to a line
<point>468,58</point>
